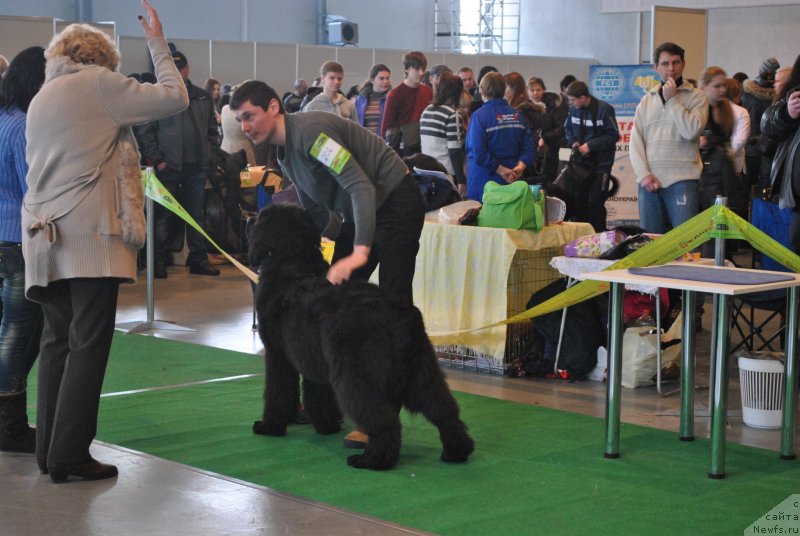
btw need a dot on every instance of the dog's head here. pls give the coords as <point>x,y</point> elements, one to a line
<point>285,236</point>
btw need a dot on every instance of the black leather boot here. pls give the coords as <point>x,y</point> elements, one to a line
<point>15,434</point>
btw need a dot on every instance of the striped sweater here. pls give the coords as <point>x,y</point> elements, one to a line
<point>441,132</point>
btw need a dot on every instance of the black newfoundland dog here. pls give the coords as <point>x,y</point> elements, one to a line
<point>360,351</point>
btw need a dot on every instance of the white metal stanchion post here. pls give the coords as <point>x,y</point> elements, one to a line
<point>150,324</point>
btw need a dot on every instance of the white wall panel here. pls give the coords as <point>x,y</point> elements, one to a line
<point>232,61</point>
<point>135,55</point>
<point>19,33</point>
<point>277,66</point>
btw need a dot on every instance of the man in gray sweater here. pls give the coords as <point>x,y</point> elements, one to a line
<point>337,165</point>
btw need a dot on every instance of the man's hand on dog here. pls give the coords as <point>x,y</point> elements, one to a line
<point>341,270</point>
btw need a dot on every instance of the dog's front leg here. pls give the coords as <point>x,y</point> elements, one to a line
<point>281,396</point>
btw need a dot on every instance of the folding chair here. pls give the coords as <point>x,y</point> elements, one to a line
<point>751,328</point>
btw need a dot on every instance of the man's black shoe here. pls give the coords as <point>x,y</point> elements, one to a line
<point>203,268</point>
<point>160,269</point>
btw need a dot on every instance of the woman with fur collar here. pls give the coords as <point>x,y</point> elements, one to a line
<point>757,95</point>
<point>83,222</point>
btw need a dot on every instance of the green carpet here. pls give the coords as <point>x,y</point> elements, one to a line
<point>140,362</point>
<point>534,471</point>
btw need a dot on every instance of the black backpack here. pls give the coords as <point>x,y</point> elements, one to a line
<point>436,192</point>
<point>583,334</point>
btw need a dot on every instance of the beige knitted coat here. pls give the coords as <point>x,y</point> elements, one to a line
<point>83,213</point>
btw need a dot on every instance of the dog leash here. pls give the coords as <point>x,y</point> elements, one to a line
<point>158,193</point>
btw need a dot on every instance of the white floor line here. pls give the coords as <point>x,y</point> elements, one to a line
<point>175,386</point>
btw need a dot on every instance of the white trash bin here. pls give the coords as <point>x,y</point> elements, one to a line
<point>762,383</point>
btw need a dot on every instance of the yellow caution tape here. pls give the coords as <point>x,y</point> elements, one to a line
<point>717,220</point>
<point>158,193</point>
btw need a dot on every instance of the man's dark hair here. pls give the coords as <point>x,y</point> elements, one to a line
<point>378,68</point>
<point>257,93</point>
<point>740,77</point>
<point>669,48</point>
<point>486,69</point>
<point>577,89</point>
<point>448,90</point>
<point>567,80</point>
<point>414,59</point>
<point>465,70</point>
<point>23,79</point>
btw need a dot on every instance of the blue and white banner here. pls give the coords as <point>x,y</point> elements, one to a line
<point>622,86</point>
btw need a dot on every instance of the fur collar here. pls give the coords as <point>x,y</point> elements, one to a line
<point>536,106</point>
<point>130,190</point>
<point>64,65</point>
<point>751,87</point>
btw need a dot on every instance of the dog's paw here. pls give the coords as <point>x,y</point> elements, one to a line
<point>362,461</point>
<point>263,428</point>
<point>457,455</point>
<point>358,461</point>
<point>328,428</point>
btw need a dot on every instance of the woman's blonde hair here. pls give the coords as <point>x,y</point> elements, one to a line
<point>84,44</point>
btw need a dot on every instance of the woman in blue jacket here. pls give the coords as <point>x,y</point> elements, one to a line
<point>20,319</point>
<point>499,143</point>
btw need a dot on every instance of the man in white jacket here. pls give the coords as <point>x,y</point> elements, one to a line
<point>664,145</point>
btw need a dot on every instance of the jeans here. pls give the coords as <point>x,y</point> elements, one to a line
<point>189,187</point>
<point>398,227</point>
<point>669,207</point>
<point>21,326</point>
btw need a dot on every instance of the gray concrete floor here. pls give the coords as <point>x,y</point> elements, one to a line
<point>158,497</point>
<point>154,496</point>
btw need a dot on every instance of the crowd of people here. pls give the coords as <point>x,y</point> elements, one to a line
<point>72,198</point>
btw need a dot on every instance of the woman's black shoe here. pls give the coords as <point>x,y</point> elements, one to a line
<point>88,470</point>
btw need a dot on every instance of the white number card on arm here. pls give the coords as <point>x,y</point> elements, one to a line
<point>330,153</point>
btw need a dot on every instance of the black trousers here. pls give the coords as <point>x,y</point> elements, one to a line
<point>398,226</point>
<point>78,327</point>
<point>589,198</point>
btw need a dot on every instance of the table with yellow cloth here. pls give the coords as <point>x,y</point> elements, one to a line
<point>464,278</point>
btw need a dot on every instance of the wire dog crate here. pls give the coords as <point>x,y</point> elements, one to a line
<point>530,271</point>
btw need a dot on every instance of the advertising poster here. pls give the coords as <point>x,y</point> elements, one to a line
<point>622,86</point>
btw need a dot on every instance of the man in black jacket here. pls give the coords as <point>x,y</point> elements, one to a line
<point>179,148</point>
<point>591,130</point>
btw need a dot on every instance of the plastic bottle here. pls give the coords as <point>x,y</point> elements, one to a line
<point>646,319</point>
